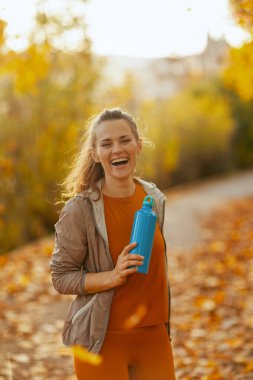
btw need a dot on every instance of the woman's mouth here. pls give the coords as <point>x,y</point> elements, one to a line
<point>120,161</point>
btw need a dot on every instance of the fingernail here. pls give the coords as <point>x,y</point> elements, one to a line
<point>142,257</point>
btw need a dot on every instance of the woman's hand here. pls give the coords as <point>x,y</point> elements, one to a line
<point>126,260</point>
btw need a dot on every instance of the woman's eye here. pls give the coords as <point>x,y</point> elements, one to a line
<point>126,141</point>
<point>105,145</point>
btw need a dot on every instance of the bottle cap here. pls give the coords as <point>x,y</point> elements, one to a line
<point>148,201</point>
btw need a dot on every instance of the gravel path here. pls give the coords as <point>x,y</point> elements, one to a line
<point>188,207</point>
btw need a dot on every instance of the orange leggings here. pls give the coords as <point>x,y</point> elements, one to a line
<point>142,353</point>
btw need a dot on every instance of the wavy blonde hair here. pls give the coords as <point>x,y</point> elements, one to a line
<point>85,172</point>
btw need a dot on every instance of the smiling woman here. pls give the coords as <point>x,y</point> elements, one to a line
<point>110,136</point>
<point>119,313</point>
<point>116,149</point>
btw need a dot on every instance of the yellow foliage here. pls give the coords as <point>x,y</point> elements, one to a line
<point>165,138</point>
<point>171,155</point>
<point>203,122</point>
<point>6,165</point>
<point>239,75</point>
<point>2,32</point>
<point>243,13</point>
<point>186,130</point>
<point>28,68</point>
<point>46,94</point>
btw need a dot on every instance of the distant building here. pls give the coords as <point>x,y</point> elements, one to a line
<point>162,77</point>
<point>214,55</point>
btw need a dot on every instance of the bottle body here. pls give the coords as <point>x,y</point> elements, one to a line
<point>143,232</point>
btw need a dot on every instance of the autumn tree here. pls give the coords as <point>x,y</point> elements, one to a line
<point>46,94</point>
<point>238,74</point>
<point>243,12</point>
<point>192,132</point>
<point>238,81</point>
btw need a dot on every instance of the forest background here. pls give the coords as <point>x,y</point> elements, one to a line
<point>204,128</point>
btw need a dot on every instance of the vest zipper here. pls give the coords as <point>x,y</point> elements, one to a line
<point>85,307</point>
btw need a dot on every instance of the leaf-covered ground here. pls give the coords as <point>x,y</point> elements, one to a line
<point>212,300</point>
<point>32,315</point>
<point>212,317</point>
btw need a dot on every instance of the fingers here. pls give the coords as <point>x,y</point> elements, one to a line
<point>128,248</point>
<point>127,263</point>
<point>122,266</point>
<point>131,263</point>
<point>135,256</point>
<point>129,259</point>
<point>130,271</point>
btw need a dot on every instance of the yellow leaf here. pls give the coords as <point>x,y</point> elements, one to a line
<point>48,249</point>
<point>249,366</point>
<point>235,235</point>
<point>217,246</point>
<point>234,342</point>
<point>216,375</point>
<point>3,260</point>
<point>24,280</point>
<point>135,318</point>
<point>219,297</point>
<point>86,356</point>
<point>205,303</point>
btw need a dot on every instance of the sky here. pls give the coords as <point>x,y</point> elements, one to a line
<point>139,28</point>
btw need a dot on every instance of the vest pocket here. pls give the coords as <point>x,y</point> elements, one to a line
<point>85,307</point>
<point>77,331</point>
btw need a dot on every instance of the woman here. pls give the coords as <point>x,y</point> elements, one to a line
<point>119,313</point>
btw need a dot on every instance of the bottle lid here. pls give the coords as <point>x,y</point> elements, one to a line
<point>148,201</point>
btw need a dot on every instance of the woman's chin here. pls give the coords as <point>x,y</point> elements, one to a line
<point>122,173</point>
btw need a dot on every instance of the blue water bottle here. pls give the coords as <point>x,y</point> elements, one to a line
<point>143,232</point>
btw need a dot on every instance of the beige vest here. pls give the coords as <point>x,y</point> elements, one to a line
<point>81,246</point>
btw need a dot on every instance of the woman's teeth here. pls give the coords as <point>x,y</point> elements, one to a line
<point>119,161</point>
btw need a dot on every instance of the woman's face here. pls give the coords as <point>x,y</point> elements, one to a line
<point>116,148</point>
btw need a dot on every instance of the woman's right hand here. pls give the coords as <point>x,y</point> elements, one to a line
<point>126,260</point>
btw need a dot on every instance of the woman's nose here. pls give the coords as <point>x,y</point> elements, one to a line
<point>116,147</point>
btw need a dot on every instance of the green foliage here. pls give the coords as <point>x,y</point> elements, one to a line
<point>244,134</point>
<point>242,144</point>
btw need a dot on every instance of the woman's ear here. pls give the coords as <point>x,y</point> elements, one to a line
<point>94,156</point>
<point>139,148</point>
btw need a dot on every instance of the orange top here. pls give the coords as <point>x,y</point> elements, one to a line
<point>143,299</point>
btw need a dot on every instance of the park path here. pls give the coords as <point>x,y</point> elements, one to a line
<point>33,312</point>
<point>209,230</point>
<point>188,207</point>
